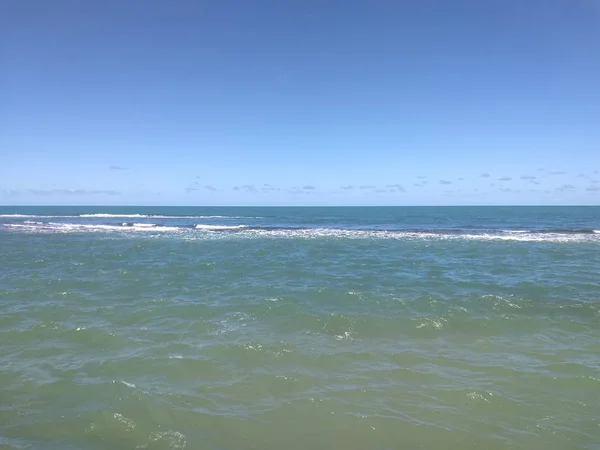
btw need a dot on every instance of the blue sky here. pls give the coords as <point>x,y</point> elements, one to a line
<point>300,102</point>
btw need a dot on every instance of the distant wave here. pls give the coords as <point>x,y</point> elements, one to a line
<point>555,231</point>
<point>124,216</point>
<point>196,226</point>
<point>548,235</point>
<point>160,216</point>
<point>29,216</point>
<point>70,227</point>
<point>200,226</point>
<point>16,215</point>
<point>144,225</point>
<point>113,215</point>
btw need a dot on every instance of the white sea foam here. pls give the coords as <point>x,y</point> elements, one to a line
<point>531,237</point>
<point>219,227</point>
<point>78,227</point>
<point>123,216</point>
<point>31,216</point>
<point>373,234</point>
<point>113,215</point>
<point>18,215</point>
<point>143,227</point>
<point>128,423</point>
<point>154,216</point>
<point>220,232</point>
<point>223,217</point>
<point>46,216</point>
<point>101,215</point>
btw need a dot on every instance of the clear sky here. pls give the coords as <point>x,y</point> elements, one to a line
<point>291,102</point>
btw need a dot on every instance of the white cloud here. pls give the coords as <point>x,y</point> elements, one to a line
<point>73,192</point>
<point>246,187</point>
<point>565,187</point>
<point>397,187</point>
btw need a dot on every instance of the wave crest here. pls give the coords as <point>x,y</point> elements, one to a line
<point>579,235</point>
<point>200,226</point>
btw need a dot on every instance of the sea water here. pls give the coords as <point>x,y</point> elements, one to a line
<point>300,328</point>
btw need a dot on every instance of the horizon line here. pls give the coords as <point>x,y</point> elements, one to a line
<point>301,206</point>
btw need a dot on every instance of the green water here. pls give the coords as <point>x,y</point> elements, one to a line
<point>268,328</point>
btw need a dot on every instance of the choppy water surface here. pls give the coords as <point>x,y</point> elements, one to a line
<point>300,328</point>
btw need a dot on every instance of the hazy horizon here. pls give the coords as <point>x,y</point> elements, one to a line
<point>8,206</point>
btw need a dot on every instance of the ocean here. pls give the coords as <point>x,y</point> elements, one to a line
<point>300,328</point>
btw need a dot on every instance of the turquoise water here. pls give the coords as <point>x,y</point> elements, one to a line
<point>300,328</point>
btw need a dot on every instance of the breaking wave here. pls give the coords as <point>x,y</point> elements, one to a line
<point>542,235</point>
<point>219,227</point>
<point>124,216</point>
<point>159,216</point>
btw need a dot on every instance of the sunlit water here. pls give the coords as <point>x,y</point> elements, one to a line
<point>308,328</point>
